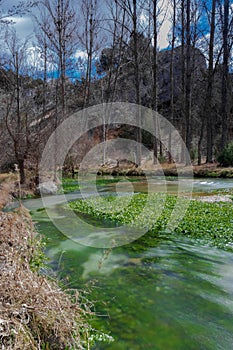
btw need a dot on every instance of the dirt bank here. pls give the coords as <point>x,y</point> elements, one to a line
<point>212,170</point>
<point>204,170</point>
<point>35,313</point>
<point>7,186</point>
<point>147,168</point>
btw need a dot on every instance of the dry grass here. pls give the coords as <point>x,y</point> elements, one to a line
<point>7,177</point>
<point>5,189</point>
<point>10,189</point>
<point>34,312</point>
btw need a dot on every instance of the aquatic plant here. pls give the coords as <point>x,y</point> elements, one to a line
<point>212,222</point>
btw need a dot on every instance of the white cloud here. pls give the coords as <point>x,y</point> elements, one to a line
<point>80,54</point>
<point>35,59</point>
<point>163,34</point>
<point>164,12</point>
<point>22,25</point>
<point>164,17</point>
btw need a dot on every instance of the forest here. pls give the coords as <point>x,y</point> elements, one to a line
<point>90,52</point>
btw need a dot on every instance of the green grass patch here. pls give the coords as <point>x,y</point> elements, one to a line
<point>70,185</point>
<point>211,222</point>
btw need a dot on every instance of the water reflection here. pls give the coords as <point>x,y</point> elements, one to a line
<point>176,294</point>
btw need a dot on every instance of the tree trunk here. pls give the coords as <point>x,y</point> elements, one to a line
<point>209,96</point>
<point>155,93</point>
<point>199,153</point>
<point>172,80</point>
<point>183,152</point>
<point>62,49</point>
<point>137,82</point>
<point>89,48</point>
<point>188,80</point>
<point>21,171</point>
<point>225,70</point>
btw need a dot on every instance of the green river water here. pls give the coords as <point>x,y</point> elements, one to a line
<point>175,294</point>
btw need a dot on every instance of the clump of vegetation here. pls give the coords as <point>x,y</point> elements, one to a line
<point>35,313</point>
<point>193,154</point>
<point>211,222</point>
<point>225,158</point>
<point>69,185</point>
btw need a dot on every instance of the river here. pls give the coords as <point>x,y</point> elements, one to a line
<point>175,294</point>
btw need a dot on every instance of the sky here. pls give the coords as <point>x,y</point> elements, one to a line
<point>24,25</point>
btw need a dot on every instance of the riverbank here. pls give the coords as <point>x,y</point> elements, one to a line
<point>212,170</point>
<point>7,185</point>
<point>35,312</point>
<point>199,171</point>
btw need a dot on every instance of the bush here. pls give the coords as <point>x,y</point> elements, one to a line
<point>225,158</point>
<point>193,154</point>
<point>7,167</point>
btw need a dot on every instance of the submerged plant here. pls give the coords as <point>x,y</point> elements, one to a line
<point>208,221</point>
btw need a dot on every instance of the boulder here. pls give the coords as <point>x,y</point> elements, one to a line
<point>109,164</point>
<point>120,167</point>
<point>47,188</point>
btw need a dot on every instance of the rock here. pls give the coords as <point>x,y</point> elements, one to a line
<point>214,198</point>
<point>109,164</point>
<point>126,164</point>
<point>48,187</point>
<point>120,167</point>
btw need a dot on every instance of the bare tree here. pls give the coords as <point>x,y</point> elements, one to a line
<point>58,24</point>
<point>90,30</point>
<point>173,39</point>
<point>133,9</point>
<point>111,60</point>
<point>188,75</point>
<point>209,92</point>
<point>155,70</point>
<point>18,111</point>
<point>225,72</point>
